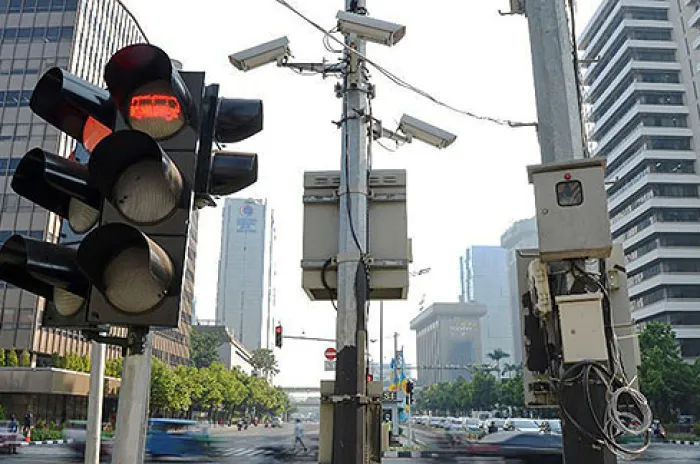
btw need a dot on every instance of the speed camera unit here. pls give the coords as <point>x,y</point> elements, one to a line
<point>572,210</point>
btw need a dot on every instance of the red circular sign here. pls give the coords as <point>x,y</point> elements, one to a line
<point>329,353</point>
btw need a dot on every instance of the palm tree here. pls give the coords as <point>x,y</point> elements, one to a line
<point>496,356</point>
<point>263,360</point>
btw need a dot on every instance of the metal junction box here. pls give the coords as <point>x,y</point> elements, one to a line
<point>389,246</point>
<point>572,209</point>
<point>582,329</point>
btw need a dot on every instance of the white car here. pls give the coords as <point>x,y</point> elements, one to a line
<point>522,425</point>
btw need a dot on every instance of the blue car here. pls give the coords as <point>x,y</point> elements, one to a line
<point>179,438</point>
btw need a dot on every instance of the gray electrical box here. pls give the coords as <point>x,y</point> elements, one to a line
<point>389,246</point>
<point>572,209</point>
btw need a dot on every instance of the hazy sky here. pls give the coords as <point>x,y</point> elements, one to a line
<point>463,52</point>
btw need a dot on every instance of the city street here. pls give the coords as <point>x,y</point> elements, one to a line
<point>658,452</point>
<point>257,445</point>
<point>666,453</point>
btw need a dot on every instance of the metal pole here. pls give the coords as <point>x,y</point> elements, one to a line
<point>269,278</point>
<point>94,425</point>
<point>560,133</point>
<point>351,331</point>
<point>381,343</point>
<point>559,127</point>
<point>130,433</point>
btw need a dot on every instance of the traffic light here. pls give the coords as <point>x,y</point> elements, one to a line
<point>409,390</point>
<point>278,336</point>
<point>368,376</point>
<point>62,186</point>
<point>149,136</point>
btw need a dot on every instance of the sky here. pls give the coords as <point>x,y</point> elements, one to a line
<point>462,52</point>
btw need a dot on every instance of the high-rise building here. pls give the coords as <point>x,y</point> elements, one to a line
<point>79,36</point>
<point>240,297</point>
<point>521,235</point>
<point>484,274</point>
<point>642,96</point>
<point>448,341</point>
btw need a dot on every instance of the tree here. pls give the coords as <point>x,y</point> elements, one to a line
<point>25,359</point>
<point>669,383</point>
<point>496,356</point>
<point>203,348</point>
<point>2,357</point>
<point>163,386</point>
<point>113,368</point>
<point>12,359</point>
<point>484,391</point>
<point>263,360</point>
<point>511,369</point>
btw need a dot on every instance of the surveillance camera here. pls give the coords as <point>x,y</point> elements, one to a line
<point>373,30</point>
<point>259,55</point>
<point>425,132</point>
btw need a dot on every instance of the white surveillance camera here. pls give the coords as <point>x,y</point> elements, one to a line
<point>260,55</point>
<point>373,30</point>
<point>425,132</point>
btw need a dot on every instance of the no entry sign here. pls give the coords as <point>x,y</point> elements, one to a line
<point>329,354</point>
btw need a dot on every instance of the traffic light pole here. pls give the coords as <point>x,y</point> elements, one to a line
<point>560,133</point>
<point>95,400</point>
<point>130,433</point>
<point>351,331</point>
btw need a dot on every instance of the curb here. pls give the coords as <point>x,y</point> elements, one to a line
<point>46,442</point>
<point>683,442</point>
<point>408,454</point>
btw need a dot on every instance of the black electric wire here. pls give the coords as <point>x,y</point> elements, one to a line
<point>331,294</point>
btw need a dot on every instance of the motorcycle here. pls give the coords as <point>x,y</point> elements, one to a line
<point>240,426</point>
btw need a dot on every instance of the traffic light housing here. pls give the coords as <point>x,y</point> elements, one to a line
<point>63,187</point>
<point>278,336</point>
<point>368,376</point>
<point>149,137</point>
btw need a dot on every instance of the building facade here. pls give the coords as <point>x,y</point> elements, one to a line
<point>79,36</point>
<point>484,274</point>
<point>522,235</point>
<point>644,114</point>
<point>448,340</point>
<point>232,353</point>
<point>240,296</point>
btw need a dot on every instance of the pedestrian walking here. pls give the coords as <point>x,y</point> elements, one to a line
<point>298,433</point>
<point>13,427</point>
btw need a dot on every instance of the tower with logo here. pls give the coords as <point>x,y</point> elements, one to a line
<point>240,297</point>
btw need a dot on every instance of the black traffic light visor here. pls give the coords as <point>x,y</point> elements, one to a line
<point>231,172</point>
<point>99,248</point>
<point>68,102</point>
<point>38,267</point>
<point>238,119</point>
<point>143,66</point>
<point>125,149</point>
<point>51,181</point>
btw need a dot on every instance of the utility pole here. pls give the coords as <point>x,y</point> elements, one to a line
<point>381,343</point>
<point>349,435</point>
<point>94,426</point>
<point>560,133</point>
<point>559,127</point>
<point>130,430</point>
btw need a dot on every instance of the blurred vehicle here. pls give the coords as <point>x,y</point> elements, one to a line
<point>527,447</point>
<point>471,424</point>
<point>276,422</point>
<point>435,421</point>
<point>181,438</point>
<point>521,425</point>
<point>75,433</point>
<point>499,425</point>
<point>8,438</point>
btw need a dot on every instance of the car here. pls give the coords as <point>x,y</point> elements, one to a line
<point>522,425</point>
<point>527,447</point>
<point>75,433</point>
<point>276,422</point>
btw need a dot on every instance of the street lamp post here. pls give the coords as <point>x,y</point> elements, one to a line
<point>420,272</point>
